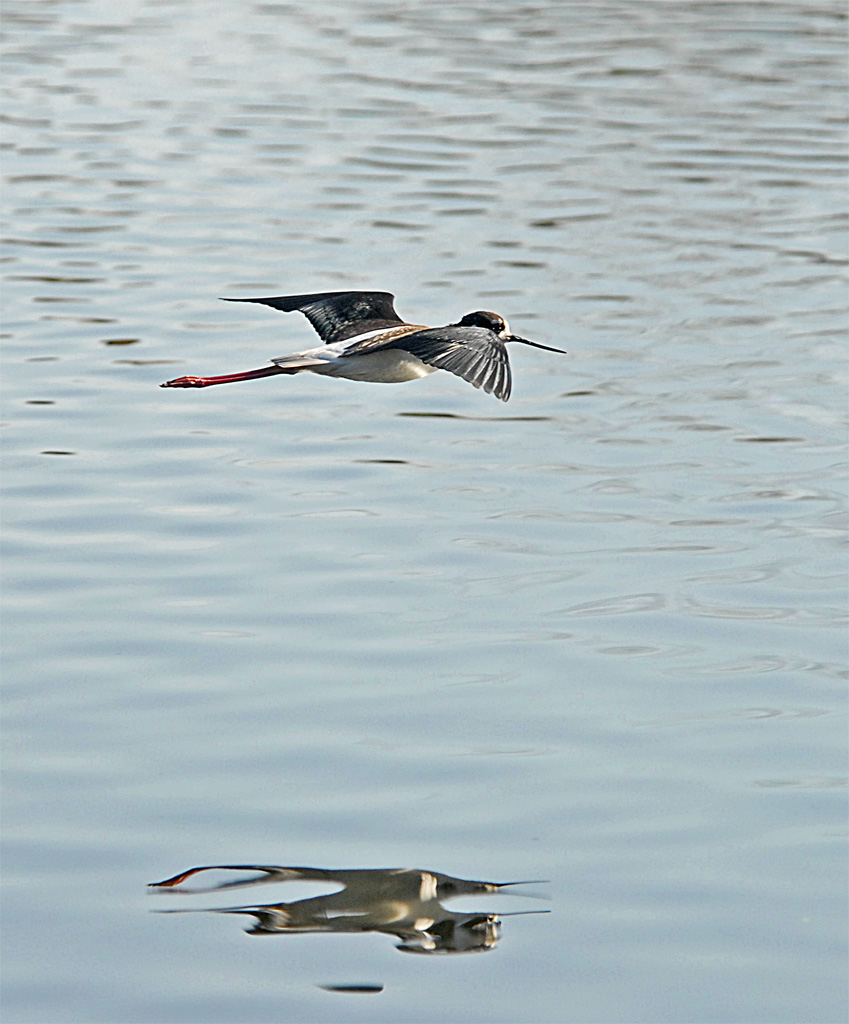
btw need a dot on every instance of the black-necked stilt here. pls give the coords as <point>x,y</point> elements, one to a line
<point>404,902</point>
<point>365,339</point>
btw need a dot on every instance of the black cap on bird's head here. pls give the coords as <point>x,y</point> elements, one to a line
<point>489,321</point>
<point>498,325</point>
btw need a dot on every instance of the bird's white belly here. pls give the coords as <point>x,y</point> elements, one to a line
<point>389,366</point>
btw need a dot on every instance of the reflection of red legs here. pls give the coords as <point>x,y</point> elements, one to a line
<point>177,878</point>
<point>284,874</point>
<point>227,378</point>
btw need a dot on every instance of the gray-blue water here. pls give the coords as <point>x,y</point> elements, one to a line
<point>592,636</point>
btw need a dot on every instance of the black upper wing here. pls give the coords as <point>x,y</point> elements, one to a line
<point>473,353</point>
<point>337,316</point>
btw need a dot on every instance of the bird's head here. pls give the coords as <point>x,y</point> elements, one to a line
<point>499,326</point>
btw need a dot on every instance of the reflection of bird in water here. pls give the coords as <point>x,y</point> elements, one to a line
<point>365,339</point>
<point>403,902</point>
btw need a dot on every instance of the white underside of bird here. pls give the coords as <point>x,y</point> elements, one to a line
<point>386,366</point>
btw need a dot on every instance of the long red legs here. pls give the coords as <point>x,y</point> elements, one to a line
<point>272,872</point>
<point>227,378</point>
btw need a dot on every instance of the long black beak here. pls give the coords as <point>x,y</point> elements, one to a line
<point>536,344</point>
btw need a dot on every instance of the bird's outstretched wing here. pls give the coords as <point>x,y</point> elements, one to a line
<point>473,353</point>
<point>337,316</point>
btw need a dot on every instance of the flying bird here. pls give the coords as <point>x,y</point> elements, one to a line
<point>365,339</point>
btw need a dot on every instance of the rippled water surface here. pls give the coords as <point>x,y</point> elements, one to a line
<point>592,636</point>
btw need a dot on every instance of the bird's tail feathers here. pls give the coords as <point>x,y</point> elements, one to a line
<point>296,363</point>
